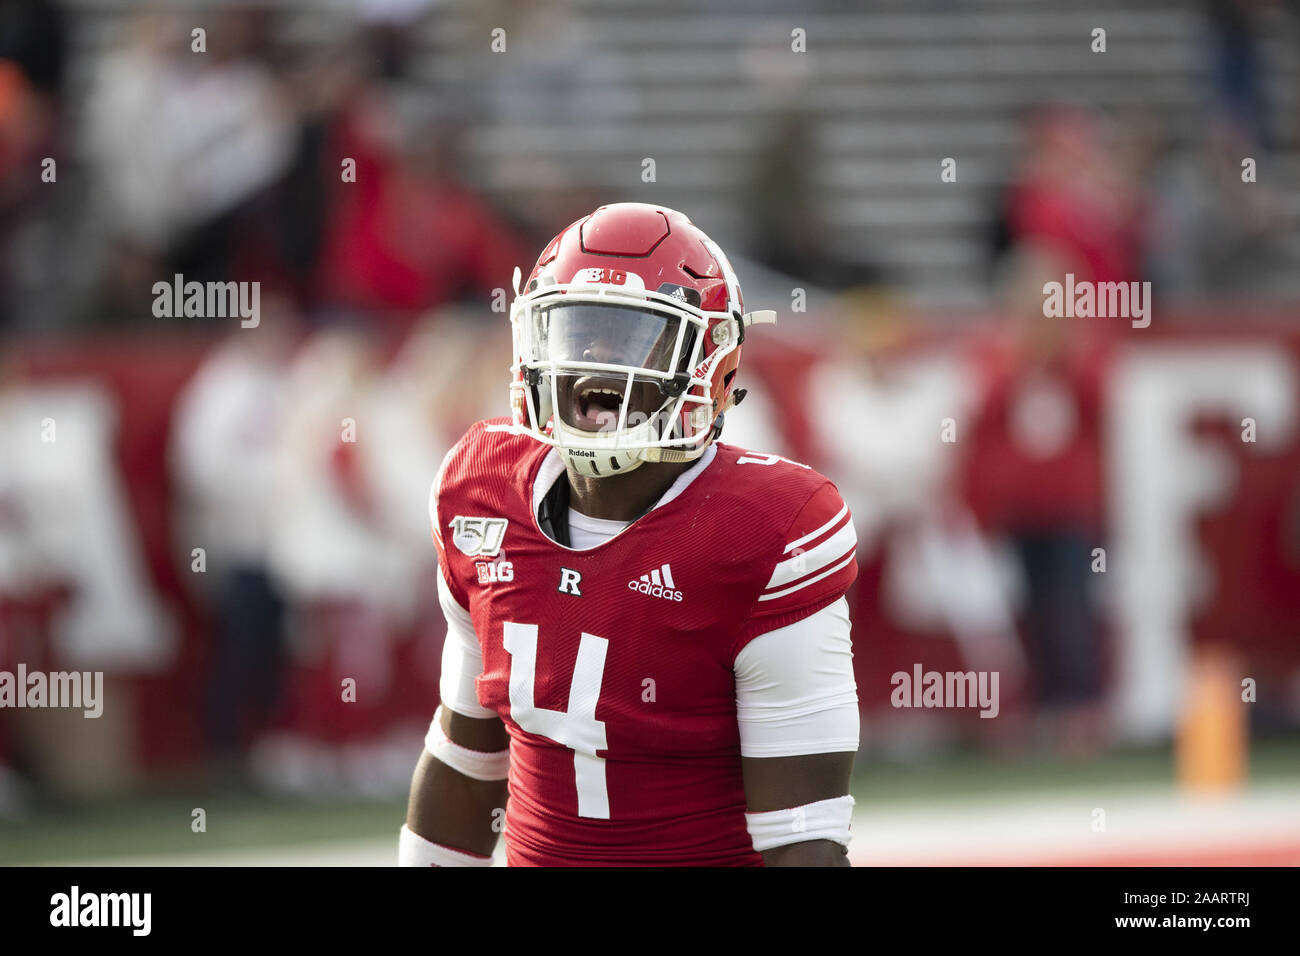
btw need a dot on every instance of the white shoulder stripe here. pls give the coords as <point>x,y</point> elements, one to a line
<point>803,584</point>
<point>815,559</point>
<point>433,506</point>
<point>820,531</point>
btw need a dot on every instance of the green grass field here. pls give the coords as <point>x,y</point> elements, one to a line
<point>157,824</point>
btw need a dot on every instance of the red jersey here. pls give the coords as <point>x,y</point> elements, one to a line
<point>612,667</point>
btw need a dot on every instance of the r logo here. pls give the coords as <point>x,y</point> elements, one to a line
<point>569,581</point>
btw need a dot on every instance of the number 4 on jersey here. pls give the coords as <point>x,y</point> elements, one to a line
<point>577,728</point>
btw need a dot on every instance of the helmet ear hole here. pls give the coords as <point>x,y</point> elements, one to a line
<point>726,387</point>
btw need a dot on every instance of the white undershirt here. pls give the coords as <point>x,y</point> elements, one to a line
<point>586,532</point>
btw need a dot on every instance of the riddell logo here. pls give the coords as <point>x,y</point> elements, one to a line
<point>658,583</point>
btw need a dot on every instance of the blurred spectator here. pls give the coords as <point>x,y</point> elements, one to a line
<point>225,435</point>
<point>287,234</point>
<point>875,405</point>
<point>1033,474</point>
<point>33,64</point>
<point>390,26</point>
<point>1212,233</point>
<point>33,43</point>
<point>329,558</point>
<point>1236,67</point>
<point>181,142</point>
<point>33,35</point>
<point>27,129</point>
<point>409,234</point>
<point>1072,197</point>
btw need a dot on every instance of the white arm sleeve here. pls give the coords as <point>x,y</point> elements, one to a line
<point>462,658</point>
<point>795,692</point>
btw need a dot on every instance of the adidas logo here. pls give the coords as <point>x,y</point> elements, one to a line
<point>658,583</point>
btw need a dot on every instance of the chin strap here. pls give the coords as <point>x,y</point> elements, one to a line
<point>677,455</point>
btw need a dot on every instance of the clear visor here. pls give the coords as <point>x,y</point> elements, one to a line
<point>635,338</point>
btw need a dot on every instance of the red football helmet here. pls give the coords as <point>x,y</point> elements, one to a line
<point>627,340</point>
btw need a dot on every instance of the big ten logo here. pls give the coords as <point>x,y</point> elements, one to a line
<point>599,276</point>
<point>490,572</point>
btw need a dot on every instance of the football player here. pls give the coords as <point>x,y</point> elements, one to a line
<point>647,638</point>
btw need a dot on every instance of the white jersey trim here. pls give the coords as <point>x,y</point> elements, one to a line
<point>433,508</point>
<point>803,584</point>
<point>819,532</point>
<point>816,558</point>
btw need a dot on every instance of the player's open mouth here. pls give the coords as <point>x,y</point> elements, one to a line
<point>596,402</point>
